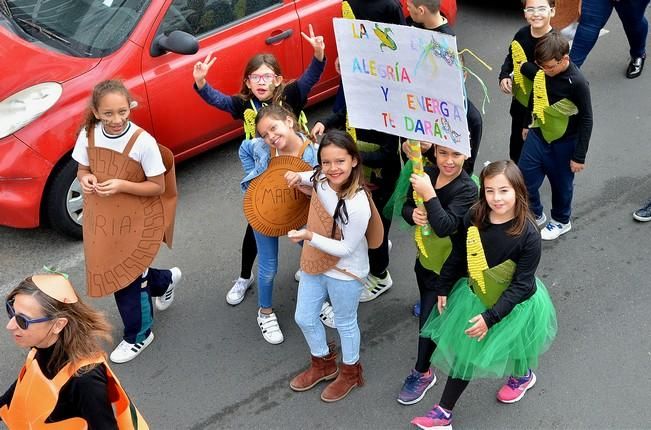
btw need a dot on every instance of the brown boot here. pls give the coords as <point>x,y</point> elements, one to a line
<point>321,369</point>
<point>350,376</point>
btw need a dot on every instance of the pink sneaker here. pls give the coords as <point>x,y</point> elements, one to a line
<point>436,419</point>
<point>515,388</point>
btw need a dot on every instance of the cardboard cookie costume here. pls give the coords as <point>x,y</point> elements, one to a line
<point>36,396</point>
<point>123,232</point>
<point>270,206</point>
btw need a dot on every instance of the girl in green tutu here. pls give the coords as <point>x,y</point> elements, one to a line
<point>500,319</point>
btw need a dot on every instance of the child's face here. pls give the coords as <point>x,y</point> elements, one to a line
<point>277,133</point>
<point>500,196</point>
<point>554,67</point>
<point>262,82</point>
<point>113,111</point>
<point>538,14</point>
<point>449,162</point>
<point>337,164</point>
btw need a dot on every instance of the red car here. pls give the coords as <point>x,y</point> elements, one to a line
<point>55,51</point>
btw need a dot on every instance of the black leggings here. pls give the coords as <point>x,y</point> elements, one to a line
<point>427,282</point>
<point>519,117</point>
<point>249,252</point>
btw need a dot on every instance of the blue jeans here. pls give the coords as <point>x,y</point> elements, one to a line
<point>595,14</point>
<point>267,267</point>
<point>344,297</point>
<point>540,159</point>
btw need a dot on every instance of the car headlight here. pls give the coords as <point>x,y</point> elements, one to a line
<point>23,107</point>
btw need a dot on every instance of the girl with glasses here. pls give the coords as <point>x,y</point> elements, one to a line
<point>262,84</point>
<point>66,379</point>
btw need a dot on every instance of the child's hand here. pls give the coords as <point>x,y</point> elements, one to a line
<point>317,43</point>
<point>422,184</point>
<point>200,70</point>
<point>88,183</point>
<point>109,188</point>
<point>419,216</point>
<point>317,130</point>
<point>478,329</point>
<point>299,235</point>
<point>424,147</point>
<point>576,167</point>
<point>525,132</point>
<point>293,179</point>
<point>442,303</point>
<point>506,85</point>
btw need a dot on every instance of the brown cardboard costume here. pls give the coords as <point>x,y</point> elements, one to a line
<point>270,206</point>
<point>123,232</point>
<point>36,396</point>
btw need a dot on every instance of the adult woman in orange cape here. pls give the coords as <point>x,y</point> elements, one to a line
<point>65,382</point>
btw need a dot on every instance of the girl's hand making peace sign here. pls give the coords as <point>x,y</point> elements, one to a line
<point>200,70</point>
<point>317,43</point>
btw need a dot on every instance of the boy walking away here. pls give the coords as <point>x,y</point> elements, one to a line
<point>538,14</point>
<point>427,14</point>
<point>557,140</point>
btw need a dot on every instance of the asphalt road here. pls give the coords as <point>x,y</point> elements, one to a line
<point>209,367</point>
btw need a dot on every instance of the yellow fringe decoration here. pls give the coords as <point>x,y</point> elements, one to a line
<point>249,123</point>
<point>476,258</point>
<point>418,238</point>
<point>519,58</point>
<point>483,63</point>
<point>540,100</point>
<point>347,11</point>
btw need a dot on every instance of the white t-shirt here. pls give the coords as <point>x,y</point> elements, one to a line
<point>145,150</point>
<point>353,248</point>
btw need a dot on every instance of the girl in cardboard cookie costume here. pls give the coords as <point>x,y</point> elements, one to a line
<point>262,84</point>
<point>334,262</point>
<point>65,382</point>
<point>499,319</point>
<point>270,206</point>
<point>129,204</point>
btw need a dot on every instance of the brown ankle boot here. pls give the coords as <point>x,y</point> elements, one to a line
<point>350,376</point>
<point>321,369</point>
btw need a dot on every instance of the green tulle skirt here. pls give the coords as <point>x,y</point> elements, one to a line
<point>509,348</point>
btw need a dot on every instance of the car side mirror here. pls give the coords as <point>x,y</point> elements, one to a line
<point>177,41</point>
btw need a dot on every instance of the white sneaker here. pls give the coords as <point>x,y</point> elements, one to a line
<point>390,245</point>
<point>327,315</point>
<point>554,229</point>
<point>270,329</point>
<point>237,293</point>
<point>126,351</point>
<point>163,302</point>
<point>375,286</point>
<point>541,220</point>
<point>297,275</point>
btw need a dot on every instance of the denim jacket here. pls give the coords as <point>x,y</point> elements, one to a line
<point>255,156</point>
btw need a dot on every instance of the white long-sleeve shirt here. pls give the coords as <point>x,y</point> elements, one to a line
<point>352,248</point>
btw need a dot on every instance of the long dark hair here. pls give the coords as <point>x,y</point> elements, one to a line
<point>254,64</point>
<point>355,181</point>
<point>100,90</point>
<point>481,209</point>
<point>276,112</point>
<point>82,336</point>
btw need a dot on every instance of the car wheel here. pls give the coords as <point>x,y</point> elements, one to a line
<point>64,200</point>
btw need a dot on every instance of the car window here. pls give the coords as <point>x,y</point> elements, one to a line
<point>199,17</point>
<point>89,28</point>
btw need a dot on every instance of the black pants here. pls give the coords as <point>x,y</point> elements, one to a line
<point>427,283</point>
<point>379,258</point>
<point>519,120</point>
<point>249,252</point>
<point>475,127</point>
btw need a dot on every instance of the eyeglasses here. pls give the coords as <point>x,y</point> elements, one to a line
<point>540,10</point>
<point>549,67</point>
<point>265,78</point>
<point>21,320</point>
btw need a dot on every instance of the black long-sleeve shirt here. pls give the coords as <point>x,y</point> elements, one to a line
<point>445,214</point>
<point>524,250</point>
<point>528,43</point>
<point>388,11</point>
<point>572,85</point>
<point>85,396</point>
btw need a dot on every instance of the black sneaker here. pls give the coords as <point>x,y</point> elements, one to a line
<point>644,213</point>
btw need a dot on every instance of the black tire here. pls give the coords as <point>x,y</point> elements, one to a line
<point>64,200</point>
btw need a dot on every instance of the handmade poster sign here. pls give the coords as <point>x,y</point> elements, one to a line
<point>270,206</point>
<point>404,81</point>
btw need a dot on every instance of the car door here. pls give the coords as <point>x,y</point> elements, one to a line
<point>233,31</point>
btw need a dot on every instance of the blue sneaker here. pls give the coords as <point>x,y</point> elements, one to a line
<point>416,309</point>
<point>415,387</point>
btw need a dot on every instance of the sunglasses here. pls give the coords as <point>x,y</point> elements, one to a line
<point>22,321</point>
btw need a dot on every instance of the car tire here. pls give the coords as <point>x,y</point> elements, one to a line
<point>64,200</point>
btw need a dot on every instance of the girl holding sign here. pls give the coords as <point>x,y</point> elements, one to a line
<point>262,84</point>
<point>500,319</point>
